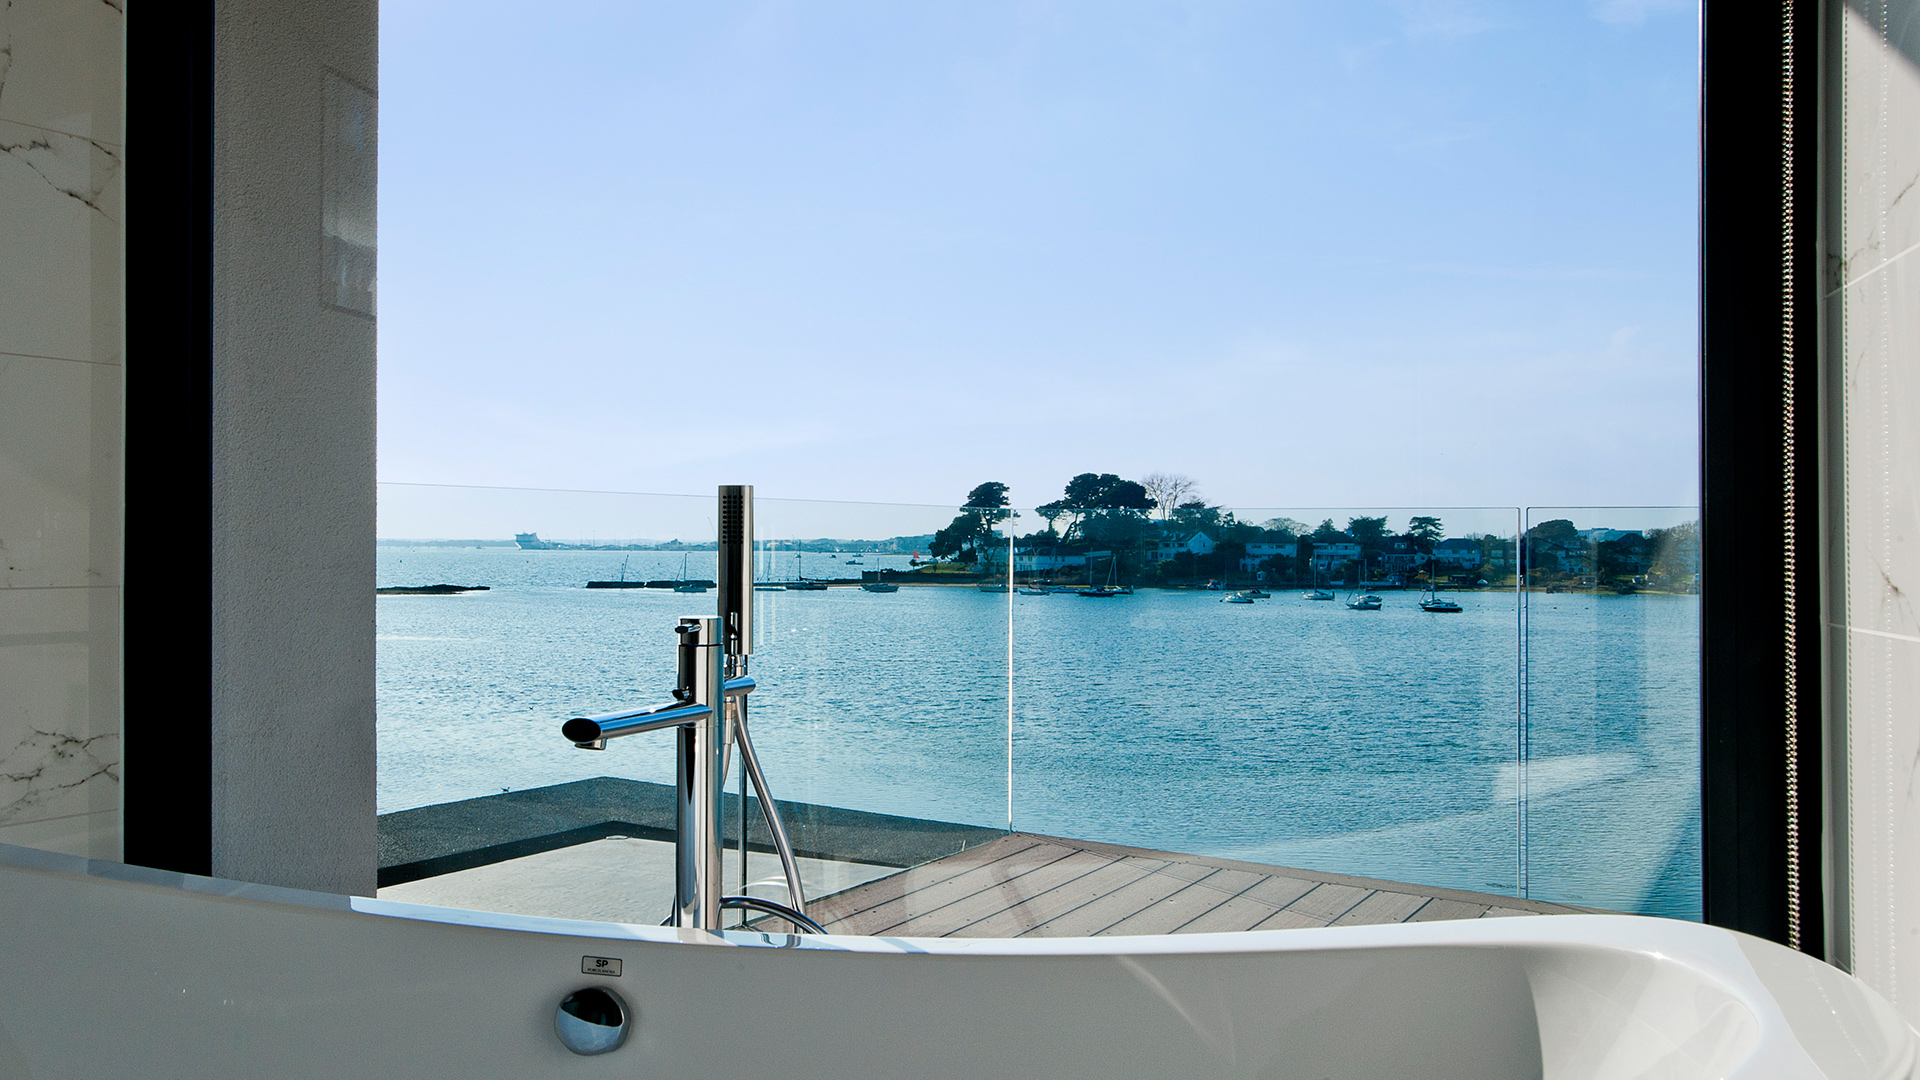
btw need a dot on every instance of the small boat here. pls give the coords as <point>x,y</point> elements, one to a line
<point>993,586</point>
<point>1365,601</point>
<point>855,561</point>
<point>1102,592</point>
<point>800,582</point>
<point>1256,594</point>
<point>686,585</point>
<point>1318,593</point>
<point>1434,602</point>
<point>880,586</point>
<point>1028,590</point>
<point>1236,598</point>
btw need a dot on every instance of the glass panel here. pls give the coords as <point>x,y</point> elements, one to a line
<point>880,716</point>
<point>891,701</point>
<point>1334,734</point>
<point>1613,708</point>
<point>472,686</point>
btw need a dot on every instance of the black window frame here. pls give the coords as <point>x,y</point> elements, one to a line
<point>1759,298</point>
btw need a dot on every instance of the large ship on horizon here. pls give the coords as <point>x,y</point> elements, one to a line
<point>532,542</point>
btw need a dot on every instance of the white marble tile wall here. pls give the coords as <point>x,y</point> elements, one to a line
<point>1873,364</point>
<point>62,66</point>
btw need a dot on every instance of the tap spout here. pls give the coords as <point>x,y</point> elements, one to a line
<point>592,732</point>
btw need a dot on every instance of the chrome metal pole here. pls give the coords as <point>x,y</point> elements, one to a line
<point>750,764</point>
<point>733,579</point>
<point>697,867</point>
<point>740,727</point>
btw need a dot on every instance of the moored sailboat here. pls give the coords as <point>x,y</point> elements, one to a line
<point>1433,601</point>
<point>1102,592</point>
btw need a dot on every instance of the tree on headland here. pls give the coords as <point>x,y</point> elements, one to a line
<point>1124,534</point>
<point>1051,513</point>
<point>1090,493</point>
<point>1194,515</point>
<point>1426,530</point>
<point>1054,511</point>
<point>1105,491</point>
<point>1367,531</point>
<point>967,536</point>
<point>1169,490</point>
<point>986,496</point>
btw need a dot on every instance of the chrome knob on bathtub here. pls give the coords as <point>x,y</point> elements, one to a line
<point>592,1021</point>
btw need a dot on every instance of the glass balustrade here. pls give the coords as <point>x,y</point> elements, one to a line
<point>1267,696</point>
<point>933,677</point>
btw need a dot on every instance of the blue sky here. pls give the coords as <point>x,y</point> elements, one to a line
<point>1311,254</point>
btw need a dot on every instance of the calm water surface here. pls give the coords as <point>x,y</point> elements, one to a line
<point>1386,744</point>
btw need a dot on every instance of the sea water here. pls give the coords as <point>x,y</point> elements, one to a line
<point>1398,744</point>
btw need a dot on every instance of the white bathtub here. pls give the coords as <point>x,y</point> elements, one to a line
<point>116,971</point>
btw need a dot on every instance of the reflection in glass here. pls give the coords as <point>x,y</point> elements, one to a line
<point>1612,754</point>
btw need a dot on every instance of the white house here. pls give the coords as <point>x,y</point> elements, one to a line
<point>1461,552</point>
<point>1331,555</point>
<point>1259,553</point>
<point>1199,544</point>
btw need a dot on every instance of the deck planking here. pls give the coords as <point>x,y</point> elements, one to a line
<point>936,893</point>
<point>1028,885</point>
<point>1096,915</point>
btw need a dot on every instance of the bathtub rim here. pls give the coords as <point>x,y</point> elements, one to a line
<point>1647,935</point>
<point>1748,969</point>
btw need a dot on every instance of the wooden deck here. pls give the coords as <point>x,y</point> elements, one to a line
<point>1027,885</point>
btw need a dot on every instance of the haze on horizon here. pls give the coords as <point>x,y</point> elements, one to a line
<point>1434,253</point>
